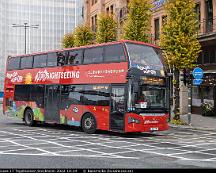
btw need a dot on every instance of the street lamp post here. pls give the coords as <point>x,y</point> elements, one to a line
<point>25,26</point>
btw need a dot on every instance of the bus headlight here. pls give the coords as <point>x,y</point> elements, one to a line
<point>133,120</point>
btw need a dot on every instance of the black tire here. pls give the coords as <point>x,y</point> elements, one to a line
<point>29,118</point>
<point>89,123</point>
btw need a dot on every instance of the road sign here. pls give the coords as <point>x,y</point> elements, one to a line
<point>197,81</point>
<point>198,73</point>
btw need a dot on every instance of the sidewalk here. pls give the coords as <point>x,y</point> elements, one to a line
<point>198,122</point>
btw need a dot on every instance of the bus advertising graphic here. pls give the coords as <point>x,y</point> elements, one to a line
<point>119,86</point>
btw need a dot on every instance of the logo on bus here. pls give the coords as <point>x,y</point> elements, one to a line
<point>75,109</point>
<point>45,75</point>
<point>28,78</point>
<point>147,70</point>
<point>14,77</point>
<point>150,122</point>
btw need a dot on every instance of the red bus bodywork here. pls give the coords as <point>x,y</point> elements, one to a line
<point>109,73</point>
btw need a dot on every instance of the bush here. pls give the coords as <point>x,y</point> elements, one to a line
<point>207,109</point>
<point>178,122</point>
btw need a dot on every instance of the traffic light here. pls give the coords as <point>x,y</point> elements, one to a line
<point>185,76</point>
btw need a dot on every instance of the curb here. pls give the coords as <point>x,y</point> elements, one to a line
<point>192,127</point>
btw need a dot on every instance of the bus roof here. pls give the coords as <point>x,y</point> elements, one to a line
<point>88,46</point>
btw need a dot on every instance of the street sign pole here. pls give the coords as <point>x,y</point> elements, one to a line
<point>189,103</point>
<point>198,75</point>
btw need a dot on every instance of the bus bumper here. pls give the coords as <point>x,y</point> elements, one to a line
<point>137,123</point>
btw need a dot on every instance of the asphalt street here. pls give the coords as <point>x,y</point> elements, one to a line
<point>51,146</point>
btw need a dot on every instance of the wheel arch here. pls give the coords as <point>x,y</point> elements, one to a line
<point>86,114</point>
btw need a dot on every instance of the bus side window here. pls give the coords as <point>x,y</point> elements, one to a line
<point>75,57</point>
<point>26,62</point>
<point>13,63</point>
<point>114,53</point>
<point>93,55</point>
<point>40,61</point>
<point>52,59</point>
<point>22,93</point>
<point>61,59</point>
<point>37,94</point>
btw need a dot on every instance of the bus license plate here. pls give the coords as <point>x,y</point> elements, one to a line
<point>154,128</point>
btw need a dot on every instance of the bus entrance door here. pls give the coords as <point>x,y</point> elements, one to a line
<point>117,108</point>
<point>52,101</point>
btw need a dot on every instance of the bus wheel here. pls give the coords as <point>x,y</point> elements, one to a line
<point>29,117</point>
<point>89,123</point>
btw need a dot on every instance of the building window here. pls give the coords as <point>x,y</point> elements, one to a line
<point>157,28</point>
<point>94,23</point>
<point>197,10</point>
<point>200,59</point>
<point>107,10</point>
<point>94,2</point>
<point>111,9</point>
<point>209,15</point>
<point>197,94</point>
<point>212,56</point>
<point>206,57</point>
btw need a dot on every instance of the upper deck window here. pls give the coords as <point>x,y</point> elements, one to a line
<point>26,62</point>
<point>13,63</point>
<point>93,55</point>
<point>75,57</point>
<point>144,55</point>
<point>52,59</point>
<point>114,53</point>
<point>40,61</point>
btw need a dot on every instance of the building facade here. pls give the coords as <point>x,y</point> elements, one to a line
<point>206,10</point>
<point>53,17</point>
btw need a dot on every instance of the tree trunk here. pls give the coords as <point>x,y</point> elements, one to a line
<point>176,95</point>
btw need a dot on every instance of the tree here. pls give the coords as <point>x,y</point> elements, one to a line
<point>83,36</point>
<point>68,40</point>
<point>107,29</point>
<point>179,41</point>
<point>138,23</point>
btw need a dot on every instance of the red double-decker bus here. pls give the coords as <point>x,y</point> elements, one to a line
<point>119,86</point>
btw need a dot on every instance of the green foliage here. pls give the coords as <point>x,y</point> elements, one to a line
<point>83,36</point>
<point>179,36</point>
<point>138,24</point>
<point>178,122</point>
<point>68,40</point>
<point>107,29</point>
<point>207,109</point>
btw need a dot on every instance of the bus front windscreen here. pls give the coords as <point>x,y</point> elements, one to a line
<point>150,98</point>
<point>144,55</point>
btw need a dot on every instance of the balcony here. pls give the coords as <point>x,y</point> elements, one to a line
<point>207,30</point>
